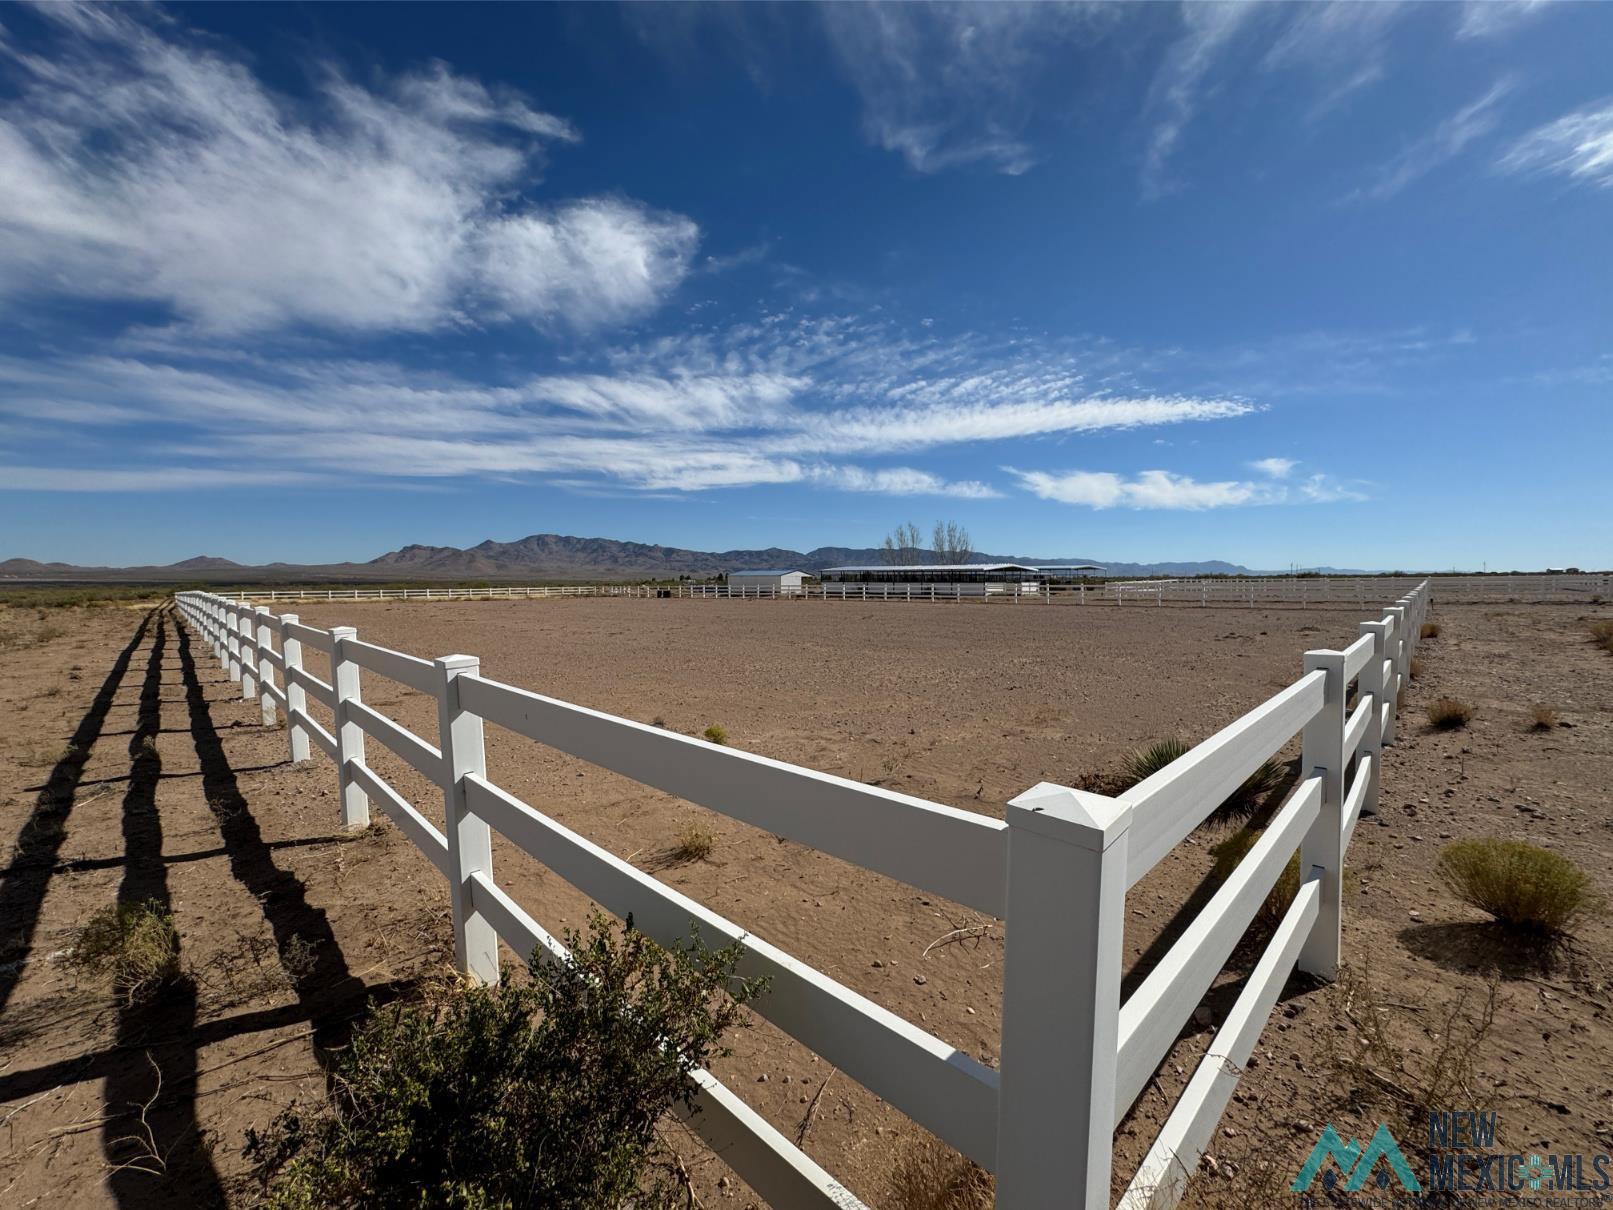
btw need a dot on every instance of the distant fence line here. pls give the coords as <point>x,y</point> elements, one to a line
<point>1056,870</point>
<point>1356,592</point>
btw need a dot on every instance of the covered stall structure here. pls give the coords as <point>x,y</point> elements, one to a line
<point>766,583</point>
<point>921,580</point>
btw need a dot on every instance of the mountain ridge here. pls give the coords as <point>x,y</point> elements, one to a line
<point>567,557</point>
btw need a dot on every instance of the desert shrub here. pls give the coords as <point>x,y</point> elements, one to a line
<point>1430,630</point>
<point>1449,713</point>
<point>1146,761</point>
<point>1520,884</point>
<point>540,1093</point>
<point>1602,635</point>
<point>134,943</point>
<point>694,844</point>
<point>716,733</point>
<point>1406,1059</point>
<point>930,1176</point>
<point>1231,851</point>
<point>1415,667</point>
<point>1542,717</point>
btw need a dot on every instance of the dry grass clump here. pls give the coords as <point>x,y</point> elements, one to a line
<point>1404,1060</point>
<point>1415,667</point>
<point>694,844</point>
<point>135,943</point>
<point>930,1176</point>
<point>716,733</point>
<point>1520,884</point>
<point>1233,850</point>
<point>1602,635</point>
<point>1430,630</point>
<point>1542,717</point>
<point>1449,714</point>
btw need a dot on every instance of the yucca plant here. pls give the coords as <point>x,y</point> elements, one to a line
<point>1146,761</point>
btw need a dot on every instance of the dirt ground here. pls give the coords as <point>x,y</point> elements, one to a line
<point>132,771</point>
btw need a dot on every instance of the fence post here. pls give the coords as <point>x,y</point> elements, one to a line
<point>349,735</point>
<point>1391,689</point>
<point>232,639</point>
<point>265,668</point>
<point>470,843</point>
<point>1371,683</point>
<point>249,653</point>
<point>1322,848</point>
<point>1066,906</point>
<point>296,696</point>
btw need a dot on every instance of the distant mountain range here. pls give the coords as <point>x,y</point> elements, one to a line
<point>558,557</point>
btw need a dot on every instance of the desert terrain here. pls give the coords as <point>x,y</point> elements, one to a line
<point>132,770</point>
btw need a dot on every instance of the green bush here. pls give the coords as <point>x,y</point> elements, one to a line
<point>1231,851</point>
<point>543,1093</point>
<point>716,733</point>
<point>1518,883</point>
<point>134,943</point>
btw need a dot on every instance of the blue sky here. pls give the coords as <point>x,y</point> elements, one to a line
<point>1323,284</point>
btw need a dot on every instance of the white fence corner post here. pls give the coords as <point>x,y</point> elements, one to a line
<point>265,667</point>
<point>1371,684</point>
<point>349,735</point>
<point>1323,846</point>
<point>470,841</point>
<point>1066,906</point>
<point>296,696</point>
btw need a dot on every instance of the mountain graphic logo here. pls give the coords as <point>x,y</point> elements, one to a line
<point>1356,1164</point>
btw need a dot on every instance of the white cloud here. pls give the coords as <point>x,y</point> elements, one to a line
<point>1275,468</point>
<point>1160,489</point>
<point>1445,142</point>
<point>137,164</point>
<point>783,400</point>
<point>1490,18</point>
<point>948,85</point>
<point>902,481</point>
<point>1174,98</point>
<point>1578,145</point>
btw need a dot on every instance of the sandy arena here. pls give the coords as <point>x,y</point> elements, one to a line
<point>289,926</point>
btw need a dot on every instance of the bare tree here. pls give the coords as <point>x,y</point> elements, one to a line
<point>951,542</point>
<point>901,546</point>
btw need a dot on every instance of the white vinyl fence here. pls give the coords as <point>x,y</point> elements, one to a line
<point>1074,1058</point>
<point>1338,592</point>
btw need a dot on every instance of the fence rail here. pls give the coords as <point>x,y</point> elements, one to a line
<point>1074,1058</point>
<point>1356,592</point>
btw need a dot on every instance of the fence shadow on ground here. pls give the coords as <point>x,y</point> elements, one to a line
<point>27,876</point>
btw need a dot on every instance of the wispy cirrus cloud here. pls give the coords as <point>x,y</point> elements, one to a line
<point>1162,489</point>
<point>137,163</point>
<point>1578,145</point>
<point>950,85</point>
<point>1447,140</point>
<point>1492,18</point>
<point>825,401</point>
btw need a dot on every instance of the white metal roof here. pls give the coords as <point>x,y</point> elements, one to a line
<point>938,567</point>
<point>791,571</point>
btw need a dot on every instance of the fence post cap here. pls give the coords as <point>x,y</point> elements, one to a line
<point>1323,658</point>
<point>344,632</point>
<point>457,663</point>
<point>1078,817</point>
<point>290,617</point>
